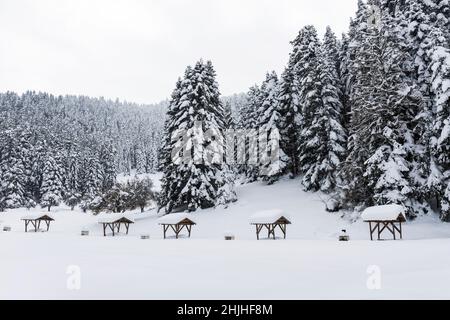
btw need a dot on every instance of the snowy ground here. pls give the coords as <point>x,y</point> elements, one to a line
<point>310,264</point>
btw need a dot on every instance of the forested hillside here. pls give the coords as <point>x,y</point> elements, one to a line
<point>364,118</point>
<point>53,148</point>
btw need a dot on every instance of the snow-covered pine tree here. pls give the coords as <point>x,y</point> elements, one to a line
<point>349,63</point>
<point>12,171</point>
<point>249,115</point>
<point>323,136</point>
<point>418,19</point>
<point>72,196</point>
<point>332,48</point>
<point>307,72</point>
<point>52,182</point>
<point>165,150</point>
<point>228,116</point>
<point>108,167</point>
<point>272,159</point>
<point>440,141</point>
<point>344,76</point>
<point>91,177</point>
<point>196,181</point>
<point>289,105</point>
<point>377,168</point>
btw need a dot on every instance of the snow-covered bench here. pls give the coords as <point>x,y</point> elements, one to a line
<point>270,220</point>
<point>114,221</point>
<point>177,222</point>
<point>36,219</point>
<point>385,218</point>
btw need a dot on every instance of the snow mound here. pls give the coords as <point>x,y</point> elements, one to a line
<point>175,218</point>
<point>268,217</point>
<point>389,212</point>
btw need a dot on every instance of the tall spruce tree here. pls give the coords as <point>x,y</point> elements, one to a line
<point>272,160</point>
<point>440,141</point>
<point>198,179</point>
<point>323,136</point>
<point>383,109</point>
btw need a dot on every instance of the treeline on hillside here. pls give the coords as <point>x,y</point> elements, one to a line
<point>55,148</point>
<point>365,118</point>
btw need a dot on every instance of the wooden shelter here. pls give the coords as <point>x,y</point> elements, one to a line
<point>177,222</point>
<point>114,222</point>
<point>36,220</point>
<point>381,218</point>
<point>270,220</point>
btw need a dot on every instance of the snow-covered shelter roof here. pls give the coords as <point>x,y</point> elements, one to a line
<point>269,217</point>
<point>112,218</point>
<point>391,212</point>
<point>176,218</point>
<point>38,216</point>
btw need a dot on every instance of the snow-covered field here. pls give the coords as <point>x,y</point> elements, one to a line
<point>310,264</point>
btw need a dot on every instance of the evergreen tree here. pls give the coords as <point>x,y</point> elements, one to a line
<point>383,109</point>
<point>228,116</point>
<point>272,159</point>
<point>192,181</point>
<point>323,136</point>
<point>440,142</point>
<point>12,171</point>
<point>249,115</point>
<point>52,183</point>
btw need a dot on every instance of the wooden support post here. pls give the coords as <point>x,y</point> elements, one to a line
<point>393,230</point>
<point>379,233</point>
<point>283,229</point>
<point>401,235</point>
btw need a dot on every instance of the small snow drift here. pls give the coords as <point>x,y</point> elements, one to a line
<point>270,219</point>
<point>391,212</point>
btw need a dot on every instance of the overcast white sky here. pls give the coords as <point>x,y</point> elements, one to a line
<point>136,50</point>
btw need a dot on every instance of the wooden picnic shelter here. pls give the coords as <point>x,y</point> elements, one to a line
<point>114,223</point>
<point>176,222</point>
<point>36,220</point>
<point>270,220</point>
<point>387,217</point>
